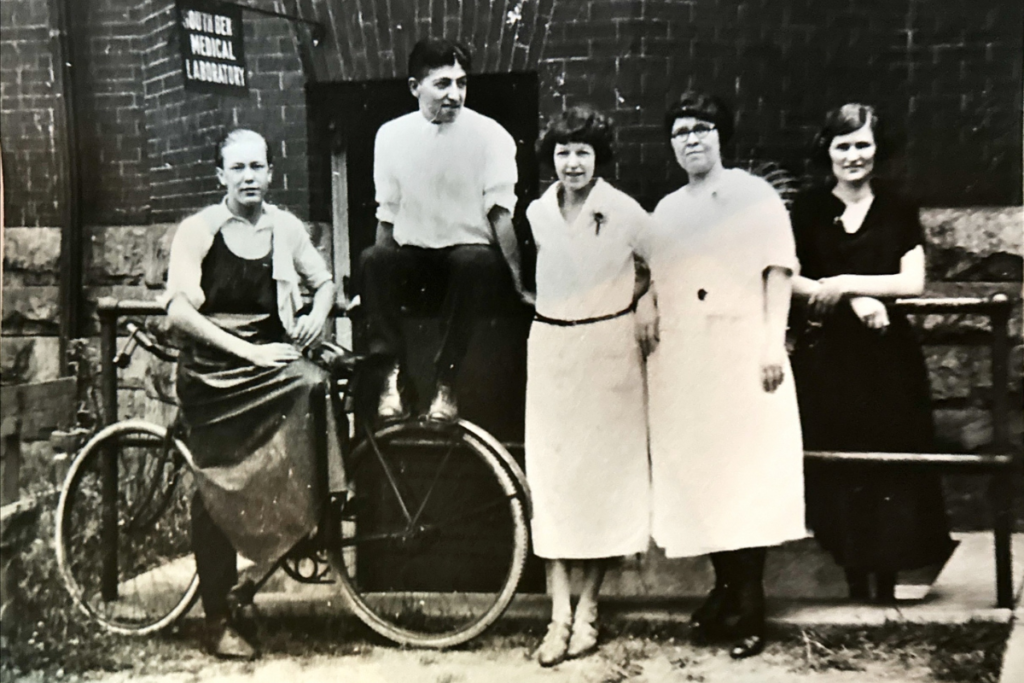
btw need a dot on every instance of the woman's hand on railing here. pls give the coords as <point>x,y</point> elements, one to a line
<point>826,295</point>
<point>871,312</point>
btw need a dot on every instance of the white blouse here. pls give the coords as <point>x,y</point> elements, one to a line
<point>586,269</point>
<point>436,182</point>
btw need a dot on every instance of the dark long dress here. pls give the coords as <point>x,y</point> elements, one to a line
<point>255,432</point>
<point>861,389</point>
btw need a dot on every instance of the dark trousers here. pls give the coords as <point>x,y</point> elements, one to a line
<point>463,277</point>
<point>215,561</point>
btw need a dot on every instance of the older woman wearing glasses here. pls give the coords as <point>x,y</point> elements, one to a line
<point>726,452</point>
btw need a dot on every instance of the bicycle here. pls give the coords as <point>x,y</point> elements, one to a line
<point>423,495</point>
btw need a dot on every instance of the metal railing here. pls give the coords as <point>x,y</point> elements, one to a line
<point>998,465</point>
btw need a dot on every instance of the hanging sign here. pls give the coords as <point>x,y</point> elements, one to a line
<point>213,56</point>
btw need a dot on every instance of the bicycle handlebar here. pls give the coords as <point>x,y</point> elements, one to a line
<point>137,337</point>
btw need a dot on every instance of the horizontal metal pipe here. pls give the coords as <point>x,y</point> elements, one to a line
<point>960,460</point>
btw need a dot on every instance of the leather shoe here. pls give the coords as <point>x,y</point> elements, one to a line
<point>706,623</point>
<point>583,640</point>
<point>390,406</point>
<point>555,646</point>
<point>747,647</point>
<point>443,408</point>
<point>226,643</point>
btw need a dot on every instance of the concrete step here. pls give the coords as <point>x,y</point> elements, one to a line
<point>803,585</point>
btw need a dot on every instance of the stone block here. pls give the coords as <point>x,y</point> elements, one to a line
<point>30,310</point>
<point>977,230</point>
<point>158,254</point>
<point>29,359</point>
<point>117,255</point>
<point>31,256</point>
<point>957,371</point>
<point>136,404</point>
<point>966,430</point>
<point>152,375</point>
<point>979,244</point>
<point>1016,371</point>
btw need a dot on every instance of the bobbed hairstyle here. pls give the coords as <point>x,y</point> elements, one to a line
<point>702,106</point>
<point>580,123</point>
<point>241,135</point>
<point>843,121</point>
<point>432,53</point>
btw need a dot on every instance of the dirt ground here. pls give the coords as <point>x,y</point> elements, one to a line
<point>305,651</point>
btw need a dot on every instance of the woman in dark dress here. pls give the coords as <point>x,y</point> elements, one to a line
<point>861,379</point>
<point>253,407</point>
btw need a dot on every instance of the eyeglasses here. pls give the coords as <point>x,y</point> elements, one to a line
<point>701,130</point>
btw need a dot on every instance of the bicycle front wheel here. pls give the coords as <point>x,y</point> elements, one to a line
<point>430,547</point>
<point>123,529</point>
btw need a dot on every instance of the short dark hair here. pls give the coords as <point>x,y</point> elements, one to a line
<point>431,53</point>
<point>843,121</point>
<point>705,107</point>
<point>236,135</point>
<point>580,123</point>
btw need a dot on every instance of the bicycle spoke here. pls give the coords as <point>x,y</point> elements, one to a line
<point>437,476</point>
<point>388,473</point>
<point>501,503</point>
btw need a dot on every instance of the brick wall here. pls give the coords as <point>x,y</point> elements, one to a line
<point>29,98</point>
<point>947,75</point>
<point>146,144</point>
<point>182,127</point>
<point>110,110</point>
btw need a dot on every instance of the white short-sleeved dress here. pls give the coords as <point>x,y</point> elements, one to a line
<point>726,456</point>
<point>586,441</point>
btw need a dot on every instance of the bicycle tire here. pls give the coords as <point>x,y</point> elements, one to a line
<point>153,579</point>
<point>413,585</point>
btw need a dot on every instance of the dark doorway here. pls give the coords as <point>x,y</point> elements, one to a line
<point>344,119</point>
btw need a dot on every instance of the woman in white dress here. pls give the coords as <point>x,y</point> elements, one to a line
<point>726,452</point>
<point>586,444</point>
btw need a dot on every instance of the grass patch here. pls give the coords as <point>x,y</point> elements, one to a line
<point>967,653</point>
<point>957,653</point>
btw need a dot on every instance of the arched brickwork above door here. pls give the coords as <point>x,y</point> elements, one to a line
<point>370,39</point>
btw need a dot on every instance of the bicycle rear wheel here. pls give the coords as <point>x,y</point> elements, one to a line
<point>431,547</point>
<point>128,563</point>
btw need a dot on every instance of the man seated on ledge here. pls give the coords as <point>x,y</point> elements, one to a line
<point>445,187</point>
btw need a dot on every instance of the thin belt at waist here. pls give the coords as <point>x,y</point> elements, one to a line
<point>584,321</point>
